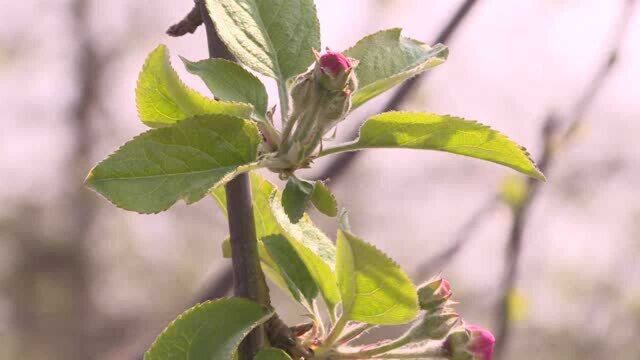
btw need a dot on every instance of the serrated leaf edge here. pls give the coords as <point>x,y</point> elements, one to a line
<point>388,258</point>
<point>196,308</point>
<point>539,175</point>
<point>166,53</point>
<point>188,62</point>
<point>223,180</point>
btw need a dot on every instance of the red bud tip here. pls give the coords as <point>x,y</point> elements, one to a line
<point>334,63</point>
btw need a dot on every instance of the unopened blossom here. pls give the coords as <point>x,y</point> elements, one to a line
<point>434,294</point>
<point>470,343</point>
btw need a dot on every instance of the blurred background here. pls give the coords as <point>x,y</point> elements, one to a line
<point>81,279</point>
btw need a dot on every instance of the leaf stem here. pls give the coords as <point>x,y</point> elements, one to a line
<point>349,146</point>
<point>333,336</point>
<point>284,102</point>
<point>354,333</point>
<point>435,353</point>
<point>382,349</point>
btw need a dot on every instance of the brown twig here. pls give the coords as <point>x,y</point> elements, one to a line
<point>248,278</point>
<point>188,25</point>
<point>553,138</point>
<point>342,161</point>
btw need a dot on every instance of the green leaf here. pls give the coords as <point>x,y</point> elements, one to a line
<point>161,166</point>
<point>323,199</point>
<point>374,289</point>
<point>212,330</point>
<point>230,81</point>
<point>295,197</point>
<point>292,268</point>
<point>298,193</point>
<point>280,262</point>
<point>163,99</point>
<point>412,130</point>
<point>314,248</point>
<point>387,59</point>
<point>272,37</point>
<point>272,354</point>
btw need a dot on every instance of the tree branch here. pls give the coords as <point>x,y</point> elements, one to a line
<point>188,25</point>
<point>553,139</point>
<point>249,281</point>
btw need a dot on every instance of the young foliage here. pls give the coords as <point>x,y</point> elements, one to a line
<point>292,268</point>
<point>272,37</point>
<point>412,130</point>
<point>202,143</point>
<point>279,260</point>
<point>230,81</point>
<point>212,330</point>
<point>387,59</point>
<point>298,193</point>
<point>374,289</point>
<point>323,200</point>
<point>163,99</point>
<point>154,170</point>
<point>313,247</point>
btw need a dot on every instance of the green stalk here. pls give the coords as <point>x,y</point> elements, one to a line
<point>350,146</point>
<point>333,336</point>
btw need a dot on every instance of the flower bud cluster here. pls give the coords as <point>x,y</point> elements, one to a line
<point>438,318</point>
<point>463,342</point>
<point>321,99</point>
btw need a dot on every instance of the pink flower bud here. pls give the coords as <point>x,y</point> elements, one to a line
<point>334,63</point>
<point>470,343</point>
<point>434,294</point>
<point>481,343</point>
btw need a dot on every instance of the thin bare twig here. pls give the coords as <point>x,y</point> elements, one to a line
<point>188,25</point>
<point>461,239</point>
<point>342,161</point>
<point>554,139</point>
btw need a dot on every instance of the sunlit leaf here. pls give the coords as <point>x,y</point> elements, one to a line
<point>280,262</point>
<point>374,289</point>
<point>272,37</point>
<point>230,81</point>
<point>313,247</point>
<point>161,166</point>
<point>212,330</point>
<point>323,199</point>
<point>387,59</point>
<point>412,130</point>
<point>163,99</point>
<point>292,268</point>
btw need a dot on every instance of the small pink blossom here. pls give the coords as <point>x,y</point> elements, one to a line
<point>481,343</point>
<point>334,63</point>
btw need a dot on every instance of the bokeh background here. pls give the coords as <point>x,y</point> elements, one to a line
<point>80,279</point>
